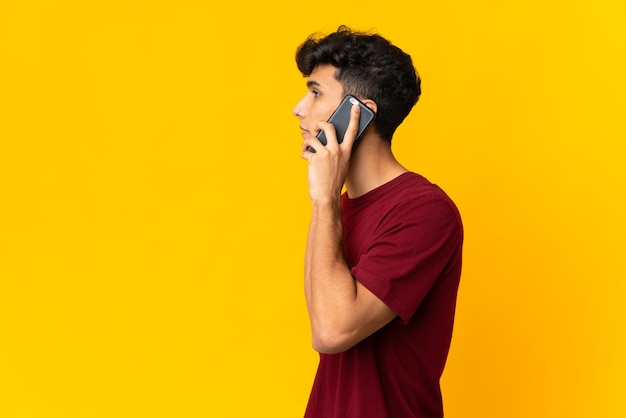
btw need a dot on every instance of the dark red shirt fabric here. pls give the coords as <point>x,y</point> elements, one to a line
<point>403,242</point>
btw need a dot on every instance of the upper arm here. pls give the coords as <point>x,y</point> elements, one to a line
<point>365,315</point>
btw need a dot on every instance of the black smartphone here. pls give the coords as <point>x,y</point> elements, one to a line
<point>341,118</point>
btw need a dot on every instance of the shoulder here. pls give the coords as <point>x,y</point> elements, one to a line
<point>409,197</point>
<point>411,190</point>
<point>415,200</point>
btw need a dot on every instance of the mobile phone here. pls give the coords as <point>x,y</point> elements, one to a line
<point>341,118</point>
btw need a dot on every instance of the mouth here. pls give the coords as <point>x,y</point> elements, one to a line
<point>304,131</point>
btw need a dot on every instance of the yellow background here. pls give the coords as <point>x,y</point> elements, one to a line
<point>154,205</point>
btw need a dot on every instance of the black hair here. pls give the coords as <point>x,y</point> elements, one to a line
<point>368,67</point>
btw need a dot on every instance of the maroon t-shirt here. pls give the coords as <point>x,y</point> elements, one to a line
<point>403,242</point>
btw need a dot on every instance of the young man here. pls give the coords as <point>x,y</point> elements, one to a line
<point>383,259</point>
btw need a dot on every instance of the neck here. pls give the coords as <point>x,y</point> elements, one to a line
<point>372,164</point>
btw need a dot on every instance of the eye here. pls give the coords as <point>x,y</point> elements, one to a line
<point>315,93</point>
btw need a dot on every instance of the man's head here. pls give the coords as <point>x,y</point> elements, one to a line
<point>369,67</point>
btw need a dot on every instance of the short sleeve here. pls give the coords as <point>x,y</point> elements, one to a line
<point>409,252</point>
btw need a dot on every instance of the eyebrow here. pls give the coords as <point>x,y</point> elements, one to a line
<point>312,83</point>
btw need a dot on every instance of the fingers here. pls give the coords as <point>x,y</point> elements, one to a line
<point>332,135</point>
<point>326,130</point>
<point>353,127</point>
<point>312,145</point>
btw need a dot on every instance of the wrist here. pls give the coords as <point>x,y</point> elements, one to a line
<point>326,208</point>
<point>326,201</point>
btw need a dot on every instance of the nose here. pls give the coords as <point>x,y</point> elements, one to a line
<point>298,110</point>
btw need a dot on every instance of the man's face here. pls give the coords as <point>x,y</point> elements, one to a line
<point>322,98</point>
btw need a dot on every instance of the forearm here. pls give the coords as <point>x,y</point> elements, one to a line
<point>329,286</point>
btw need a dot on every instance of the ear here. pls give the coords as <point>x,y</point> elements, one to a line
<point>371,104</point>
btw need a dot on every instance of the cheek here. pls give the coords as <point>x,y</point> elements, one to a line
<point>323,111</point>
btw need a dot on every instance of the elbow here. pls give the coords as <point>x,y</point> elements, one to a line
<point>331,342</point>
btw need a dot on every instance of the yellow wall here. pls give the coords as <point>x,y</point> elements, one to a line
<point>154,205</point>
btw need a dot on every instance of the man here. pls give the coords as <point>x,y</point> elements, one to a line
<point>383,259</point>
